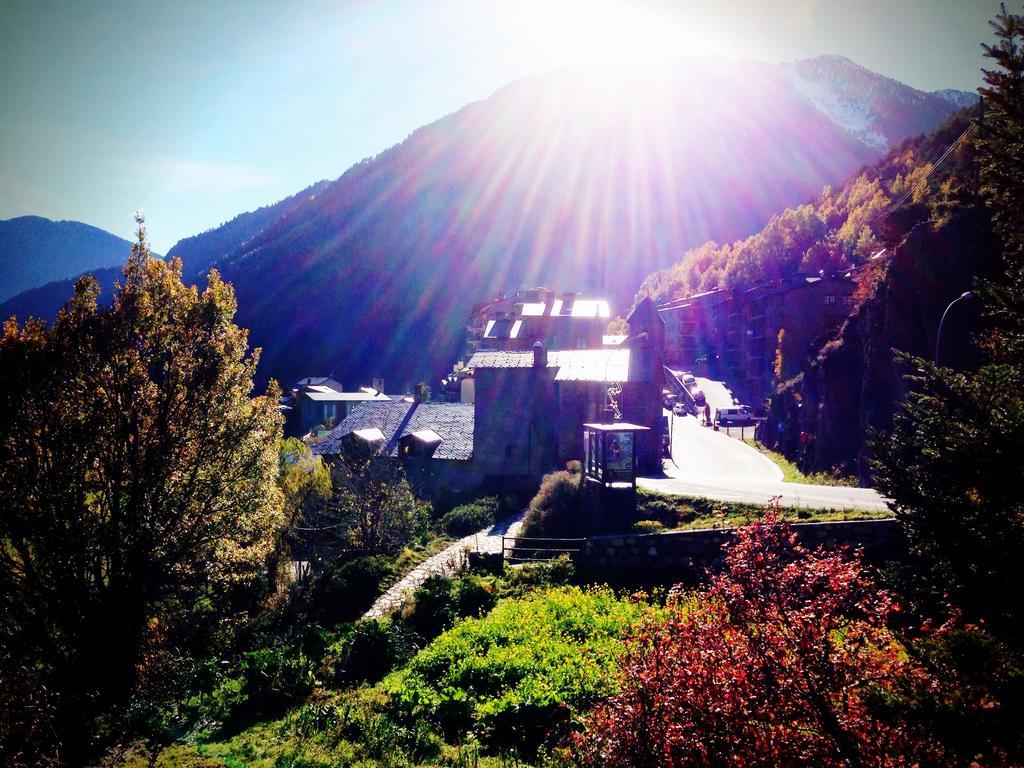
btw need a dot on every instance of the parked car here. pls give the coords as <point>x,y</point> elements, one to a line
<point>689,380</point>
<point>736,416</point>
<point>679,409</point>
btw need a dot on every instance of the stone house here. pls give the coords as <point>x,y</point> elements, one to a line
<point>528,411</point>
<point>321,405</point>
<point>531,405</point>
<point>695,330</point>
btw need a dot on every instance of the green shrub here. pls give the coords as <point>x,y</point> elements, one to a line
<point>432,609</point>
<point>350,728</point>
<point>343,592</point>
<point>440,601</point>
<point>275,678</point>
<point>532,576</point>
<point>470,518</point>
<point>369,651</point>
<point>474,596</point>
<point>508,500</point>
<point>648,526</point>
<point>556,509</point>
<point>515,676</point>
<point>668,511</point>
<point>269,680</point>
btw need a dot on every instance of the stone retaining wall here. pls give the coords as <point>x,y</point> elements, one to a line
<point>687,554</point>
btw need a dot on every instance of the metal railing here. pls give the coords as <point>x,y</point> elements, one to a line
<point>520,549</point>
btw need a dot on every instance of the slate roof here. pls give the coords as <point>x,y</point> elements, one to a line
<point>608,364</point>
<point>343,397</point>
<point>452,422</point>
<point>500,359</point>
<point>591,364</point>
<point>322,381</point>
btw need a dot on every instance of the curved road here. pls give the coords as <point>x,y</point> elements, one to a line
<point>714,465</point>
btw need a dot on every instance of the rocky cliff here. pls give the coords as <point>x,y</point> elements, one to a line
<point>824,418</point>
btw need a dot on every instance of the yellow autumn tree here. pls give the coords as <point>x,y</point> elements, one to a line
<point>137,473</point>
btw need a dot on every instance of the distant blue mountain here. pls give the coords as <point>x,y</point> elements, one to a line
<point>35,251</point>
<point>198,253</point>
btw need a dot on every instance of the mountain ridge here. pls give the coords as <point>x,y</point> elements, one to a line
<point>198,254</point>
<point>573,179</point>
<point>35,250</point>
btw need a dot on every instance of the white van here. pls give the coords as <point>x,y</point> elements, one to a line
<point>736,416</point>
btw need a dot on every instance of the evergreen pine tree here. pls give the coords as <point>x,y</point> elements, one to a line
<point>1001,141</point>
<point>952,462</point>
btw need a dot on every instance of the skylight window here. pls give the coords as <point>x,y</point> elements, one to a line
<point>590,308</point>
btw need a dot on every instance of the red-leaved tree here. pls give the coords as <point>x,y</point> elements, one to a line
<point>769,666</point>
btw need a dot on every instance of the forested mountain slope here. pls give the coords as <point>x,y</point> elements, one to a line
<point>843,227</point>
<point>912,230</point>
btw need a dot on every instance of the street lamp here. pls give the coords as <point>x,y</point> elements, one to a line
<point>965,296</point>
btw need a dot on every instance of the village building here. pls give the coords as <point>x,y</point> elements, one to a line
<point>695,331</point>
<point>319,402</point>
<point>558,320</point>
<point>531,405</point>
<point>734,335</point>
<point>527,412</point>
<point>432,440</point>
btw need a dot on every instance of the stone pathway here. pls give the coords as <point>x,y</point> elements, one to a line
<point>445,563</point>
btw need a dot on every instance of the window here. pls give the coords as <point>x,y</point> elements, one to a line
<point>830,299</point>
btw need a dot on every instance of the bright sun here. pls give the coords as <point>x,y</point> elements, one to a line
<point>607,32</point>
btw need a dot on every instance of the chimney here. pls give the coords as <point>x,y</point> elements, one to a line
<point>568,299</point>
<point>540,355</point>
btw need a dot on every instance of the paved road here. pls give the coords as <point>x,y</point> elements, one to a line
<point>701,454</point>
<point>717,394</point>
<point>445,563</point>
<point>715,465</point>
<point>790,494</point>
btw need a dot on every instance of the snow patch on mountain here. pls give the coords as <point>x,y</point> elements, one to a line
<point>874,109</point>
<point>852,116</point>
<point>959,99</point>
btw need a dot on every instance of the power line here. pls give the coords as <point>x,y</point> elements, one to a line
<point>937,163</point>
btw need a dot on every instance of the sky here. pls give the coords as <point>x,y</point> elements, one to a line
<point>196,110</point>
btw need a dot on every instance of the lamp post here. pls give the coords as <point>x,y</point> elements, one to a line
<point>965,296</point>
